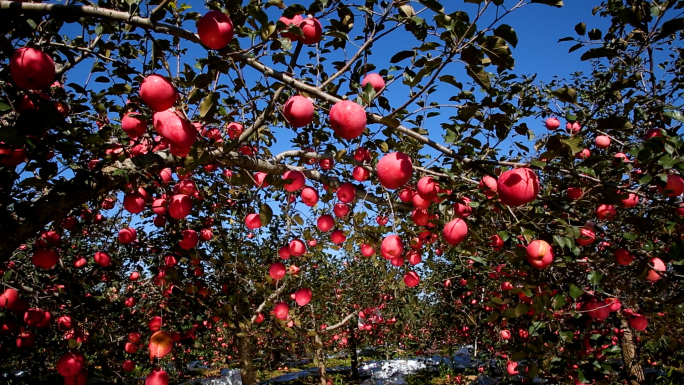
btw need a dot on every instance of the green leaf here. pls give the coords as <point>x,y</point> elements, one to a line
<point>674,114</point>
<point>433,5</point>
<point>4,107</point>
<point>208,104</point>
<point>507,33</point>
<point>670,27</point>
<point>565,94</point>
<point>566,335</point>
<point>596,53</point>
<point>265,214</point>
<point>399,56</point>
<point>277,3</point>
<point>581,29</point>
<point>554,3</point>
<point>595,277</point>
<point>479,75</point>
<point>575,291</point>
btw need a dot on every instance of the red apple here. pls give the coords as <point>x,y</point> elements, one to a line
<point>294,180</point>
<point>394,170</point>
<point>8,298</point>
<point>539,254</point>
<point>44,258</point>
<point>260,179</point>
<point>602,141</point>
<point>346,192</point>
<point>552,123</point>
<point>134,337</point>
<point>505,334</point>
<point>575,193</point>
<point>303,296</point>
<point>281,311</point>
<point>348,119</point>
<point>297,248</point>
<point>25,340</point>
<point>360,174</point>
<point>180,206</point>
<point>376,81</point>
<point>391,247</point>
<point>157,377</point>
<point>512,368</point>
<point>176,130</point>
<point>674,186</point>
<point>586,237</point>
<point>155,324</point>
<point>606,212</point>
<point>215,29</point>
<point>128,366</point>
<point>190,239</point>
<point>367,250</point>
<point>658,266</point>
<point>298,111</point>
<point>518,187</point>
<point>341,210</point>
<point>158,93</point>
<point>295,21</point>
<point>253,221</point>
<point>325,223</point>
<point>338,237</point>
<point>70,364</point>
<point>427,188</point>
<point>463,210</point>
<point>638,322</point>
<point>312,31</point>
<point>277,271</point>
<point>411,279</point>
<point>309,196</point>
<point>455,231</point>
<point>102,259</point>
<point>32,69</point>
<point>489,186</point>
<point>133,126</point>
<point>623,257</point>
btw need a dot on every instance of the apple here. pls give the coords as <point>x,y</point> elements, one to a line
<point>159,221</point>
<point>158,93</point>
<point>303,296</point>
<point>586,237</point>
<point>573,128</point>
<point>489,186</point>
<point>505,334</point>
<point>427,188</point>
<point>360,174</point>
<point>190,239</point>
<point>638,322</point>
<point>518,187</point>
<point>312,31</point>
<point>631,201</point>
<point>411,279</point>
<point>455,231</point>
<point>419,202</point>
<point>575,193</point>
<point>281,310</point>
<point>215,29</point>
<point>620,158</point>
<point>623,257</point>
<point>597,309</point>
<point>674,186</point>
<point>33,317</point>
<point>133,126</point>
<point>128,366</point>
<point>25,340</point>
<point>376,81</point>
<point>606,212</point>
<point>346,192</point>
<point>613,303</point>
<point>260,179</point>
<point>414,258</point>
<point>497,242</point>
<point>602,141</point>
<point>32,69</point>
<point>326,164</point>
<point>325,223</point>
<point>102,259</point>
<point>348,119</point>
<point>463,210</point>
<point>391,247</point>
<point>381,220</point>
<point>394,170</point>
<point>294,180</point>
<point>341,210</point>
<point>44,258</point>
<point>539,254</point>
<point>367,250</point>
<point>130,348</point>
<point>654,133</point>
<point>584,154</point>
<point>253,221</point>
<point>298,111</point>
<point>338,237</point>
<point>134,337</point>
<point>512,368</point>
<point>297,248</point>
<point>79,262</point>
<point>8,299</point>
<point>157,377</point>
<point>70,363</point>
<point>658,266</point>
<point>134,202</point>
<point>176,130</point>
<point>506,286</point>
<point>362,154</point>
<point>295,21</point>
<point>161,344</point>
<point>179,207</point>
<point>420,217</point>
<point>155,324</point>
<point>552,123</point>
<point>259,318</point>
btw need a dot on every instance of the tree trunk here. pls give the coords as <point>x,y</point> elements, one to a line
<point>320,356</point>
<point>633,370</point>
<point>354,356</point>
<point>247,370</point>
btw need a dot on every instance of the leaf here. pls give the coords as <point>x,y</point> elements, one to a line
<point>575,291</point>
<point>581,29</point>
<point>265,214</point>
<point>498,52</point>
<point>507,33</point>
<point>479,75</point>
<point>596,53</point>
<point>674,114</point>
<point>565,94</point>
<point>277,3</point>
<point>450,79</point>
<point>595,34</point>
<point>670,27</point>
<point>399,56</point>
<point>595,277</point>
<point>553,3</point>
<point>566,335</point>
<point>208,103</point>
<point>433,5</point>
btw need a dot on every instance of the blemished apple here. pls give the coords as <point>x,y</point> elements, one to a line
<point>394,170</point>
<point>602,141</point>
<point>158,93</point>
<point>518,187</point>
<point>348,119</point>
<point>161,344</point>
<point>376,81</point>
<point>281,311</point>
<point>299,111</point>
<point>411,279</point>
<point>552,123</point>
<point>392,247</point>
<point>312,31</point>
<point>215,29</point>
<point>295,21</point>
<point>455,231</point>
<point>346,192</point>
<point>539,254</point>
<point>294,180</point>
<point>133,126</point>
<point>32,69</point>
